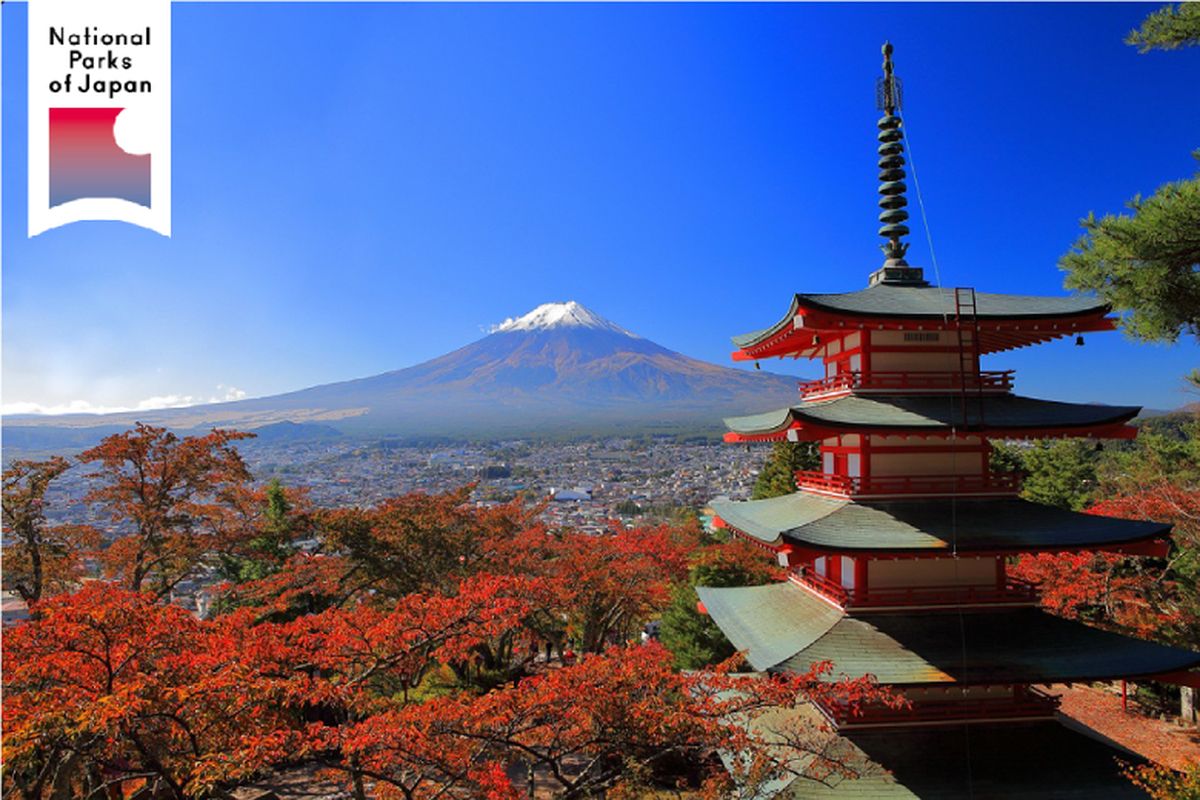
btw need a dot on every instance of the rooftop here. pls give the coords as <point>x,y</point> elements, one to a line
<point>929,303</point>
<point>784,627</point>
<point>930,413</point>
<point>1002,524</point>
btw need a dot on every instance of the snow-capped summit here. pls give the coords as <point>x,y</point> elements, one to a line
<point>559,315</point>
<point>560,369</point>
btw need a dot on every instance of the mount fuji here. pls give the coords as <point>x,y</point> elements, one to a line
<point>557,370</point>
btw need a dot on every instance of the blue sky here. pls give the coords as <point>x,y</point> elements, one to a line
<point>358,188</point>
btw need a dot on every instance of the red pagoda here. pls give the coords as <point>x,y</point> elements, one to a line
<point>897,547</point>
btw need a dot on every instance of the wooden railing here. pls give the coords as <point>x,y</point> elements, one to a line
<point>1014,591</point>
<point>1025,703</point>
<point>908,382</point>
<point>993,483</point>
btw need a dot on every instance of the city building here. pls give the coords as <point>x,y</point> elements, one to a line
<point>897,547</point>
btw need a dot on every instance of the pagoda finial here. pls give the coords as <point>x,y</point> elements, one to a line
<point>891,164</point>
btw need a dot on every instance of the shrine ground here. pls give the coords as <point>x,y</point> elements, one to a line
<point>1164,741</point>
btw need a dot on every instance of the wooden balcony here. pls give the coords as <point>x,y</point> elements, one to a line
<point>995,484</point>
<point>1025,703</point>
<point>907,383</point>
<point>1013,592</point>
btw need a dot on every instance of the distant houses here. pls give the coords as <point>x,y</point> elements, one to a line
<point>578,494</point>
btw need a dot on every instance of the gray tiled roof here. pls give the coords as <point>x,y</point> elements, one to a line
<point>928,302</point>
<point>1041,760</point>
<point>915,525</point>
<point>933,411</point>
<point>1020,645</point>
<point>763,620</point>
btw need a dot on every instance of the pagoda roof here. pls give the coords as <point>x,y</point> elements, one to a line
<point>929,303</point>
<point>1001,761</point>
<point>917,413</point>
<point>1021,645</point>
<point>929,525</point>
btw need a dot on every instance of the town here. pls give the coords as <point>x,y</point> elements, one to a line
<point>587,483</point>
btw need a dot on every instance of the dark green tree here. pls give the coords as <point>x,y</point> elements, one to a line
<point>628,508</point>
<point>1167,448</point>
<point>1147,264</point>
<point>693,638</point>
<point>271,544</point>
<point>1057,472</point>
<point>1169,28</point>
<point>778,473</point>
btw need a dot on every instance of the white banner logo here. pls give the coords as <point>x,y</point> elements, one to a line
<point>100,113</point>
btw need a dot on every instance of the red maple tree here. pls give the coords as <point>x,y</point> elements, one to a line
<point>40,558</point>
<point>176,500</point>
<point>328,657</point>
<point>1141,595</point>
<point>106,686</point>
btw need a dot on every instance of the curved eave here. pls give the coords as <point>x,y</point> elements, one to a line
<point>794,335</point>
<point>914,528</point>
<point>1006,415</point>
<point>931,302</point>
<point>928,649</point>
<point>756,338</point>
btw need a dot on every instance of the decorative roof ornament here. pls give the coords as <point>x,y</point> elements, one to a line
<point>888,98</point>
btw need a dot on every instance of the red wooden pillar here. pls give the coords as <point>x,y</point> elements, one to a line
<point>864,458</point>
<point>1124,696</point>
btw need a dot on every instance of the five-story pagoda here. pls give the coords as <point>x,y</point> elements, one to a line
<point>896,548</point>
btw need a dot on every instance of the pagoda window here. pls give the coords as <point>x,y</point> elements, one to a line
<point>848,573</point>
<point>854,465</point>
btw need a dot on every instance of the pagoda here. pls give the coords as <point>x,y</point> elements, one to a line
<point>896,549</point>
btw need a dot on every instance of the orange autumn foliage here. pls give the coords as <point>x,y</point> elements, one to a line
<point>1137,594</point>
<point>178,498</point>
<point>609,721</point>
<point>405,655</point>
<point>40,559</point>
<point>105,684</point>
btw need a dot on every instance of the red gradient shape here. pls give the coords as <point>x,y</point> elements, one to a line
<point>86,162</point>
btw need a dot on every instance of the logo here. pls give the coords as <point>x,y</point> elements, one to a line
<point>86,160</point>
<point>99,113</point>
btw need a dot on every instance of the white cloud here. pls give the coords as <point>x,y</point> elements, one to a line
<point>225,394</point>
<point>231,393</point>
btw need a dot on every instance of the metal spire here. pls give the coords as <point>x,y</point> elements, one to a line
<point>888,97</point>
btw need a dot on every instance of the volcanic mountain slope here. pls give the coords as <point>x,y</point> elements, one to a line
<point>557,369</point>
